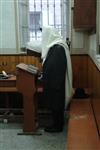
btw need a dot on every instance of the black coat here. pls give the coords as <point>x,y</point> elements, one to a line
<point>54,70</point>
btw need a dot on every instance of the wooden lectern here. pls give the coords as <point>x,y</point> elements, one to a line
<point>26,77</point>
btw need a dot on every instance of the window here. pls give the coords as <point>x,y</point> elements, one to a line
<point>34,25</point>
<point>41,13</point>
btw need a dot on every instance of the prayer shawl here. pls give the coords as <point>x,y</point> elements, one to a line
<point>50,37</point>
<point>35,46</point>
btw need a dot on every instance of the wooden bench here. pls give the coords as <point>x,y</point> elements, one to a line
<point>82,128</point>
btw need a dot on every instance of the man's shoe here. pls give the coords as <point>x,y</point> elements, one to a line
<point>53,130</point>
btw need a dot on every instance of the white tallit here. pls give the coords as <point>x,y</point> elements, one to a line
<point>34,46</point>
<point>50,37</point>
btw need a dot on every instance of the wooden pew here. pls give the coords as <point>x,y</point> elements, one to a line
<point>82,127</point>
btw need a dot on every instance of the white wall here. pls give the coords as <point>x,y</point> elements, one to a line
<point>94,40</point>
<point>93,44</point>
<point>7,27</point>
<point>78,38</point>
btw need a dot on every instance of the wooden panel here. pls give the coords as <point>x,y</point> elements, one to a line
<point>94,79</point>
<point>13,63</point>
<point>96,107</point>
<point>94,83</point>
<point>85,14</point>
<point>4,63</point>
<point>90,74</point>
<point>30,60</point>
<point>80,67</point>
<point>9,62</point>
<point>8,85</point>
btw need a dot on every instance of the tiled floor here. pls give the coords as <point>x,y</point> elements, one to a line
<point>9,140</point>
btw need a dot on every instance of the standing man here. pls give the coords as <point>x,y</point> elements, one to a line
<point>57,76</point>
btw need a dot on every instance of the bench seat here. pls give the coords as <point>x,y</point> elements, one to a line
<point>82,128</point>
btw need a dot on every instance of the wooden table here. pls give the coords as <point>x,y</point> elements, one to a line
<point>24,83</point>
<point>8,85</point>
